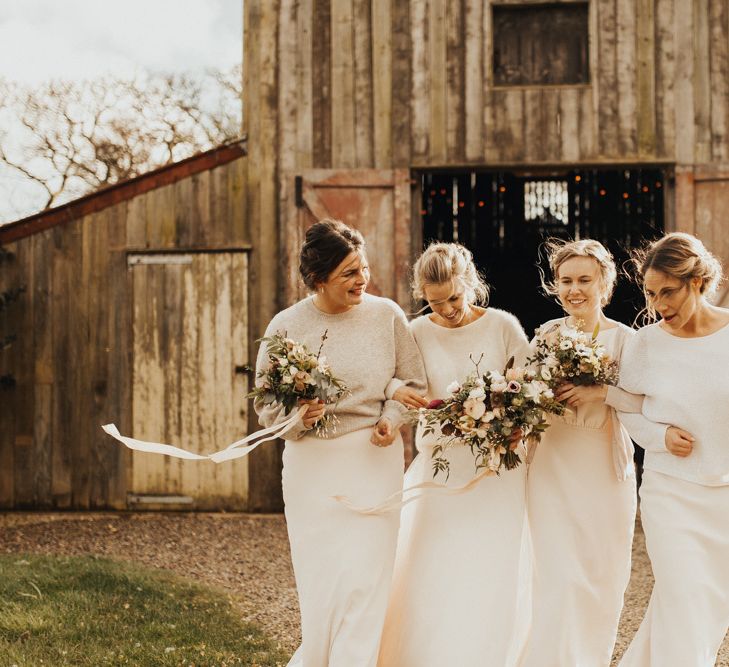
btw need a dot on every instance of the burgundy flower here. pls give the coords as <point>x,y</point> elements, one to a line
<point>436,403</point>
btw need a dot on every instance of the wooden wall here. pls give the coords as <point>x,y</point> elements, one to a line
<point>383,83</point>
<point>73,357</point>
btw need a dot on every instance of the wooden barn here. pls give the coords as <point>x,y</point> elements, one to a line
<point>135,311</point>
<point>496,123</point>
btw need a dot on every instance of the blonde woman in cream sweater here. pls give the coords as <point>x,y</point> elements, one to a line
<point>457,577</point>
<point>681,364</point>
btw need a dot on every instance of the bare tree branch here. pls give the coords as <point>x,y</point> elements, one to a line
<point>73,138</point>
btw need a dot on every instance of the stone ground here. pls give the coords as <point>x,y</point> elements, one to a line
<point>246,555</point>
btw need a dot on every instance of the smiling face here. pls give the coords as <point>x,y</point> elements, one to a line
<point>676,301</point>
<point>580,287</point>
<point>347,283</point>
<point>449,303</point>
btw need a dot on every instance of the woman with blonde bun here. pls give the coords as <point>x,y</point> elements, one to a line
<point>681,364</point>
<point>581,482</point>
<point>456,587</point>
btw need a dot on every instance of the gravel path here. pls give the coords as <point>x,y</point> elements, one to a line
<point>244,554</point>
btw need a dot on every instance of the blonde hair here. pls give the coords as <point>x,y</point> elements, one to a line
<point>447,262</point>
<point>681,256</point>
<point>559,251</point>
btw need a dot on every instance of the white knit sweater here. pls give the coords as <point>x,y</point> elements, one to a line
<point>686,384</point>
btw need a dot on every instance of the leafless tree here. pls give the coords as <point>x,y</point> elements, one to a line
<point>73,138</point>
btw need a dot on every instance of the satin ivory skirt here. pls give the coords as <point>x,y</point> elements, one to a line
<point>686,529</point>
<point>342,560</point>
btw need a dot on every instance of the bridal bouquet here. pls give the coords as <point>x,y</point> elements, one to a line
<point>294,373</point>
<point>485,411</point>
<point>574,356</point>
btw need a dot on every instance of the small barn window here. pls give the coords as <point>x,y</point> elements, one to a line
<point>546,202</point>
<point>544,44</point>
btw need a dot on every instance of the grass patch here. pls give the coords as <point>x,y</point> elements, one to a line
<point>87,611</point>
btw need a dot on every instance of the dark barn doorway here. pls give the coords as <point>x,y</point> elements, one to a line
<point>504,216</point>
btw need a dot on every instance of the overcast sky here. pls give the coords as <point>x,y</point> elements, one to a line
<point>76,39</point>
<point>85,39</point>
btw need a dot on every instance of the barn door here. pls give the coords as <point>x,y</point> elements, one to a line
<point>702,202</point>
<point>374,201</point>
<point>190,347</point>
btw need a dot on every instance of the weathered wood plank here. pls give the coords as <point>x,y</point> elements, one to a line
<point>344,153</point>
<point>382,75</point>
<point>287,85</point>
<point>239,229</point>
<point>219,195</point>
<point>66,259</point>
<point>474,80</point>
<point>101,464</point>
<point>607,78</point>
<point>200,204</point>
<point>665,77</point>
<point>185,218</point>
<point>683,28</point>
<point>191,305</point>
<point>43,348</point>
<point>9,279</point>
<point>160,217</point>
<point>719,83</point>
<point>420,112</point>
<point>305,92</point>
<point>262,208</point>
<point>437,51</point>
<point>240,358</point>
<point>626,77</point>
<point>363,83</point>
<point>401,85</point>
<point>21,320</point>
<point>702,82</point>
<point>569,130</point>
<point>137,222</point>
<point>172,334</point>
<point>551,121</point>
<point>321,82</point>
<point>531,135</point>
<point>148,393</point>
<point>646,95</point>
<point>455,86</point>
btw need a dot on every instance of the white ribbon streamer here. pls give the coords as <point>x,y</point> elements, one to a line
<point>397,501</point>
<point>232,451</point>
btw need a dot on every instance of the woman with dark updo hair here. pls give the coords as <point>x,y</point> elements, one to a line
<point>681,364</point>
<point>343,560</point>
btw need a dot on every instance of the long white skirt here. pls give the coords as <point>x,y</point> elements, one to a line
<point>686,529</point>
<point>582,520</point>
<point>342,560</point>
<point>459,577</point>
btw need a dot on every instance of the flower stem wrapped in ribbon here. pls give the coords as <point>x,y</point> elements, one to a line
<point>295,373</point>
<point>487,413</point>
<point>571,355</point>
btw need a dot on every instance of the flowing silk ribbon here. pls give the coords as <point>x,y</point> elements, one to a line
<point>233,451</point>
<point>396,501</point>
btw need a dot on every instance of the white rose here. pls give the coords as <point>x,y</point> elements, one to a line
<point>453,388</point>
<point>499,386</point>
<point>478,392</point>
<point>565,345</point>
<point>474,408</point>
<point>546,373</point>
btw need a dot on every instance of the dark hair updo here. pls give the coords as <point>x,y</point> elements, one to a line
<point>326,245</point>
